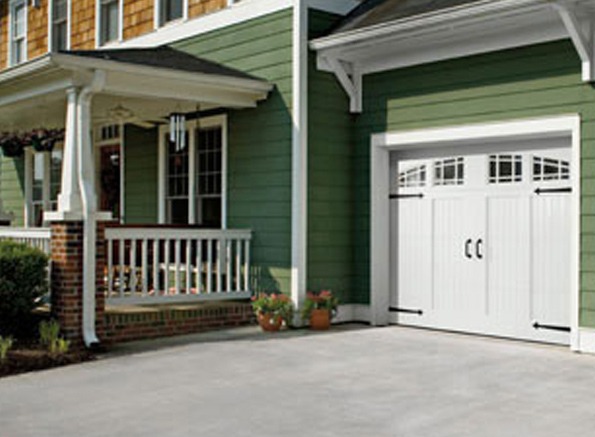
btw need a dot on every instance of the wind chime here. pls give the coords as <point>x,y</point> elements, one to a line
<point>177,130</point>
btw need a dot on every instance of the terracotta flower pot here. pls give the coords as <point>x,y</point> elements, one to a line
<point>320,320</point>
<point>270,322</point>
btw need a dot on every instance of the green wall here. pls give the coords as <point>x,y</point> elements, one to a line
<point>330,182</point>
<point>542,80</point>
<point>259,140</point>
<point>12,189</point>
<point>141,175</point>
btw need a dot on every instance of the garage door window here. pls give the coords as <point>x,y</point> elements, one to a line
<point>548,169</point>
<point>414,177</point>
<point>449,171</point>
<point>505,169</point>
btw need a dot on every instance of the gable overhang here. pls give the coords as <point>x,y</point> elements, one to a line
<point>479,27</point>
<point>36,90</point>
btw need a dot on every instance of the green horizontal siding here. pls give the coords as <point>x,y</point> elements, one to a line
<point>141,175</point>
<point>541,80</point>
<point>12,189</point>
<point>259,153</point>
<point>330,184</point>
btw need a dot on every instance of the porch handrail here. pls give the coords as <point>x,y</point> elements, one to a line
<point>160,265</point>
<point>34,237</point>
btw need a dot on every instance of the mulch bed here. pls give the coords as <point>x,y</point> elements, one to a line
<point>31,359</point>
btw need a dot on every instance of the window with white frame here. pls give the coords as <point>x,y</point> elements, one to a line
<point>18,32</point>
<point>193,178</point>
<point>170,10</point>
<point>43,179</point>
<point>59,23</point>
<point>209,180</point>
<point>109,20</point>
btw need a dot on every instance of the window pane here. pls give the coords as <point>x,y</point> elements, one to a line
<point>19,20</point>
<point>110,17</point>
<point>209,143</point>
<point>177,183</point>
<point>59,36</point>
<point>55,173</point>
<point>171,10</point>
<point>59,10</point>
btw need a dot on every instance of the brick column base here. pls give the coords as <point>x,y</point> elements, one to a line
<point>67,279</point>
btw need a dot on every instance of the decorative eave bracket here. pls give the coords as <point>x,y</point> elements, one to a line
<point>350,78</point>
<point>582,36</point>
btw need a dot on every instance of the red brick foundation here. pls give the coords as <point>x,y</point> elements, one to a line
<point>136,323</point>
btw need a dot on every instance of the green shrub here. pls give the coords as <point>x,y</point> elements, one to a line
<point>23,278</point>
<point>5,345</point>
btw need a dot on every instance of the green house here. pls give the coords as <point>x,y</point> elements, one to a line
<point>428,161</point>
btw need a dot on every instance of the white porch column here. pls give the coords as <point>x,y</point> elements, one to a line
<point>69,199</point>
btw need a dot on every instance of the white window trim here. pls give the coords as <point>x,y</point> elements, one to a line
<point>98,143</point>
<point>380,250</point>
<point>98,42</point>
<point>29,209</point>
<point>51,24</point>
<point>157,14</point>
<point>12,5</point>
<point>191,126</point>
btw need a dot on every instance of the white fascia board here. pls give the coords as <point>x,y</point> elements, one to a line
<point>484,8</point>
<point>27,68</point>
<point>478,42</point>
<point>526,129</point>
<point>77,62</point>
<point>234,14</point>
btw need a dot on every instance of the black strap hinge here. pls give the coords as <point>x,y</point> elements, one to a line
<point>405,311</point>
<point>538,325</point>
<point>406,196</point>
<point>540,191</point>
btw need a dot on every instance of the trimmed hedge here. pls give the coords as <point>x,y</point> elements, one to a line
<point>23,278</point>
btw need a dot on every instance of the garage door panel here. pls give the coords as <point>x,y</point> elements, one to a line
<point>551,275</point>
<point>458,275</point>
<point>414,236</point>
<point>508,239</point>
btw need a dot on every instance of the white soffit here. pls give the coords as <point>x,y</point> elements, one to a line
<point>463,31</point>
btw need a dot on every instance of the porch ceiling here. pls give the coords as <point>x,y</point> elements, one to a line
<point>150,82</point>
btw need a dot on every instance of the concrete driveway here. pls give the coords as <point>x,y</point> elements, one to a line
<point>351,381</point>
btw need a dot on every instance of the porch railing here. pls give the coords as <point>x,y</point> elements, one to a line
<point>34,237</point>
<point>160,265</point>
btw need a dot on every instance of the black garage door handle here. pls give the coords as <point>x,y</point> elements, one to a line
<point>467,252</point>
<point>479,249</point>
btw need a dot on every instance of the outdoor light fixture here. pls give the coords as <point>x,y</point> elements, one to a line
<point>177,130</point>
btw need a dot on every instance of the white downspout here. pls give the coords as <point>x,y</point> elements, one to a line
<point>86,180</point>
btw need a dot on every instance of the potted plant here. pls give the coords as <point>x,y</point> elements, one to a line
<point>272,310</point>
<point>319,308</point>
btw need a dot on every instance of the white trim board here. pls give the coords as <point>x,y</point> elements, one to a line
<point>234,14</point>
<point>353,313</point>
<point>586,340</point>
<point>191,126</point>
<point>381,146</point>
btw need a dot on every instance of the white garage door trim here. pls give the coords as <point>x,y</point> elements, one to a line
<point>568,126</point>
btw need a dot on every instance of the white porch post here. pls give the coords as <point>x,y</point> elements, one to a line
<point>69,199</point>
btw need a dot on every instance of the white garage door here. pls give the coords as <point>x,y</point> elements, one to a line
<point>481,241</point>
